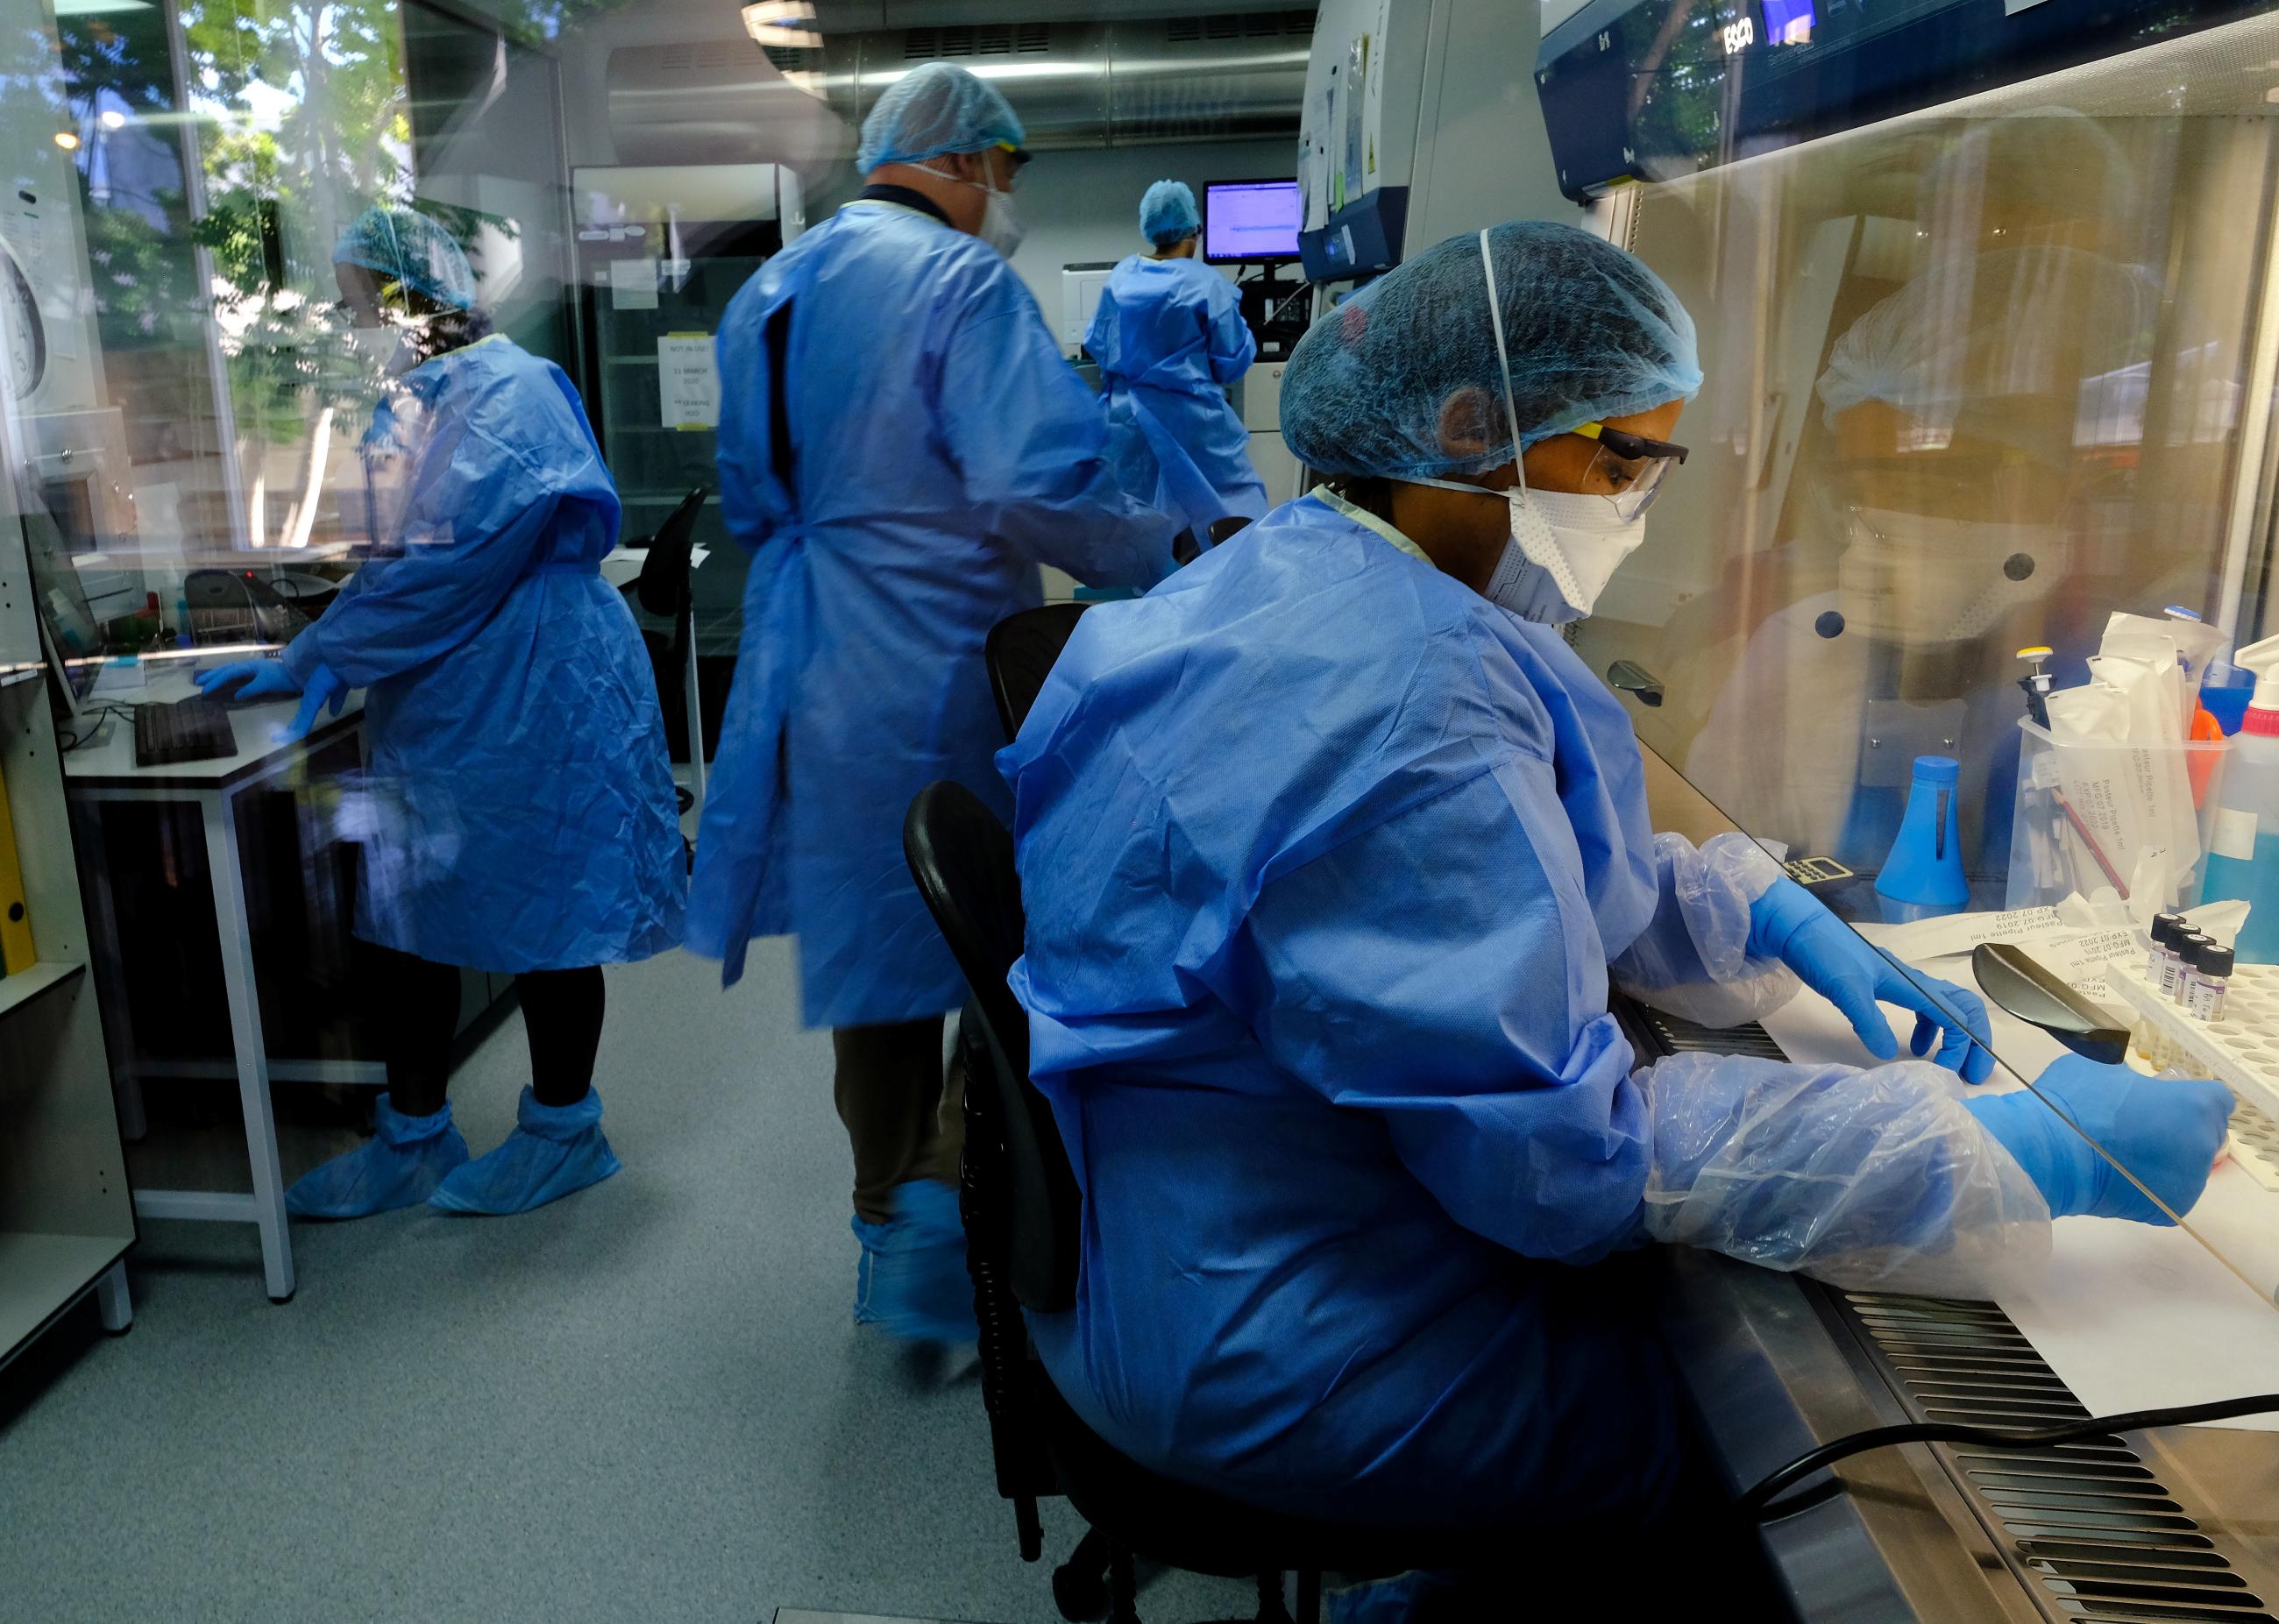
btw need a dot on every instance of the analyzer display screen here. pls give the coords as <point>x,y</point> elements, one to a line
<point>1251,220</point>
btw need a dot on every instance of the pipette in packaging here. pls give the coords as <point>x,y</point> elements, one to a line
<point>2037,684</point>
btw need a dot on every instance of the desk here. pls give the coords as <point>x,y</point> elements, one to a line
<point>102,770</point>
<point>621,567</point>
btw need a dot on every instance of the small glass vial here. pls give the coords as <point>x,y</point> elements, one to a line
<point>2165,927</point>
<point>2211,978</point>
<point>2188,946</point>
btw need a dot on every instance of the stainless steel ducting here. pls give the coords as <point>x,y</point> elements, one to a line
<point>1126,82</point>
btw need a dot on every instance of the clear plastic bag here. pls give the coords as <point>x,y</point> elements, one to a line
<point>1692,961</point>
<point>1875,1180</point>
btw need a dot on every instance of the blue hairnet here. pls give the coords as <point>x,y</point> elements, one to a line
<point>1971,334</point>
<point>932,110</point>
<point>1591,333</point>
<point>1167,213</point>
<point>406,245</point>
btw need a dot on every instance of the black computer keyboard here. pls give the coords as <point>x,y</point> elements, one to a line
<point>196,729</point>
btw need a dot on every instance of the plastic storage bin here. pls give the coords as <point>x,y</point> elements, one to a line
<point>2134,819</point>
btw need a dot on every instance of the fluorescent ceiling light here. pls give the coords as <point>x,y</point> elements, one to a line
<point>782,22</point>
<point>92,8</point>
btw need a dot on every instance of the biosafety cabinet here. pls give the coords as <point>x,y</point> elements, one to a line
<point>1989,319</point>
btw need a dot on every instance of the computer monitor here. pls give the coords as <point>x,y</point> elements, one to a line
<point>1250,220</point>
<point>73,635</point>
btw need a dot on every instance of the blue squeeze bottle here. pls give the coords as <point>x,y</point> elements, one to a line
<point>2244,835</point>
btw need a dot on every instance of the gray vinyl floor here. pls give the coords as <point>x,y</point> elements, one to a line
<point>645,1402</point>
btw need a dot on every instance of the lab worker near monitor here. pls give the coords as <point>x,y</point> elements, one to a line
<point>1170,338</point>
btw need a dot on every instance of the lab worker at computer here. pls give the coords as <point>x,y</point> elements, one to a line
<point>901,444</point>
<point>518,813</point>
<point>1331,848</point>
<point>1170,338</point>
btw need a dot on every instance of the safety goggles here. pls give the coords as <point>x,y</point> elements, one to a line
<point>1628,469</point>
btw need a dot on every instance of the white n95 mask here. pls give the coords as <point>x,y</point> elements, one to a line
<point>1564,546</point>
<point>1563,549</point>
<point>1001,221</point>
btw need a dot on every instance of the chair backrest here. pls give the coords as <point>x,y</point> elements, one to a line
<point>1021,650</point>
<point>1226,529</point>
<point>962,858</point>
<point>662,585</point>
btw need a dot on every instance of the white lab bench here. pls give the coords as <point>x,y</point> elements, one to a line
<point>2127,1316</point>
<point>104,769</point>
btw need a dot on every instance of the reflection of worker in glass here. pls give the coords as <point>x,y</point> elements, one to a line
<point>902,443</point>
<point>1170,338</point>
<point>1327,846</point>
<point>1968,418</point>
<point>523,819</point>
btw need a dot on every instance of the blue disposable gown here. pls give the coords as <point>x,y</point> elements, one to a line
<point>522,800</point>
<point>1169,337</point>
<point>1325,859</point>
<point>900,445</point>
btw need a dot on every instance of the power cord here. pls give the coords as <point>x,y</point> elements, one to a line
<point>96,716</point>
<point>1760,1506</point>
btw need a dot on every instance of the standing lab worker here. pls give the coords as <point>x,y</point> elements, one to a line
<point>1332,848</point>
<point>1170,338</point>
<point>522,818</point>
<point>901,444</point>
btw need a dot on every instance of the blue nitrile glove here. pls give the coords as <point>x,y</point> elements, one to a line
<point>262,679</point>
<point>325,689</point>
<point>1789,923</point>
<point>2165,1131</point>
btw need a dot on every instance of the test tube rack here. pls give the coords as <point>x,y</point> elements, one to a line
<point>2241,1052</point>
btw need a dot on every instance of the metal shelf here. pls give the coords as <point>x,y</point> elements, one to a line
<point>24,985</point>
<point>41,1274</point>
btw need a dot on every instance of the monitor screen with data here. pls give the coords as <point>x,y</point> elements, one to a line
<point>1250,220</point>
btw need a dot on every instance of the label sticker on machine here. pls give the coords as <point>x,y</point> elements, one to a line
<point>632,283</point>
<point>2232,834</point>
<point>688,381</point>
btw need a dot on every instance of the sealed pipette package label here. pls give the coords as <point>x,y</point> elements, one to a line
<point>2233,834</point>
<point>2085,960</point>
<point>1950,934</point>
<point>2077,955</point>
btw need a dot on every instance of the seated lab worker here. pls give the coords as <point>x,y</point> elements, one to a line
<point>520,811</point>
<point>902,444</point>
<point>1170,338</point>
<point>1331,849</point>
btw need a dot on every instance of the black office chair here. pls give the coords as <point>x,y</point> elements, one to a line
<point>1021,1206</point>
<point>1020,653</point>
<point>663,591</point>
<point>1022,647</point>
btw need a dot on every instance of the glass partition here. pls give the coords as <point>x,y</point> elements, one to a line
<point>1978,380</point>
<point>203,428</point>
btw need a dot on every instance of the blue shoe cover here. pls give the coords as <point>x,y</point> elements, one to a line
<point>553,1151</point>
<point>399,1166</point>
<point>912,1282</point>
<point>1406,1599</point>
